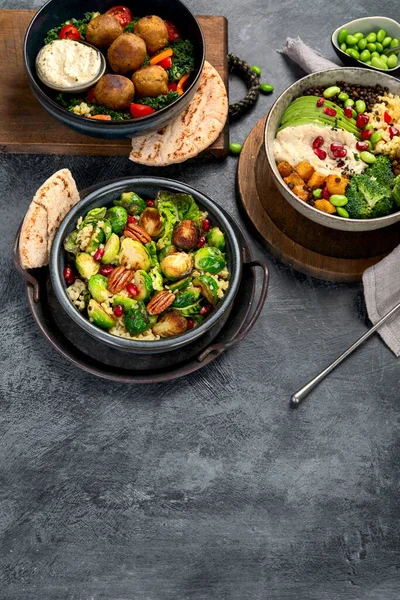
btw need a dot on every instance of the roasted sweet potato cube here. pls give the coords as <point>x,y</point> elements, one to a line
<point>294,179</point>
<point>300,192</point>
<point>325,206</point>
<point>336,184</point>
<point>316,181</point>
<point>284,168</point>
<point>305,170</point>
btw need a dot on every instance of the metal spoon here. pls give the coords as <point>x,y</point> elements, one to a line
<point>299,396</point>
<point>390,50</point>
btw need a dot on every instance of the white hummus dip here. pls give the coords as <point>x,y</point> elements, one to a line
<point>294,144</point>
<point>68,63</point>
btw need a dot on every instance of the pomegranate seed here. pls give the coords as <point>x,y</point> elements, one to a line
<point>362,120</point>
<point>325,193</point>
<point>190,323</point>
<point>68,275</point>
<point>206,225</point>
<point>132,219</point>
<point>320,153</point>
<point>361,146</point>
<point>336,146</point>
<point>387,118</point>
<point>317,143</point>
<point>348,112</point>
<point>393,131</point>
<point>118,310</point>
<point>202,241</point>
<point>320,102</point>
<point>132,289</point>
<point>366,134</point>
<point>98,255</point>
<point>331,112</point>
<point>206,310</point>
<point>340,153</point>
<point>106,270</point>
<point>150,202</point>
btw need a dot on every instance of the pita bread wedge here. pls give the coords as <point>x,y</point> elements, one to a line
<point>192,131</point>
<point>53,200</point>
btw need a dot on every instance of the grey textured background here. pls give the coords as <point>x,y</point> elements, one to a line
<point>207,487</point>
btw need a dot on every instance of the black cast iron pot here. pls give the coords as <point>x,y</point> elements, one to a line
<point>56,12</point>
<point>170,350</point>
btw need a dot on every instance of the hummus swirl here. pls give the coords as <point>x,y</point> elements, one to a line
<point>68,63</point>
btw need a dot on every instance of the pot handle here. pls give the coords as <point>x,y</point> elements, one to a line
<point>246,328</point>
<point>29,278</point>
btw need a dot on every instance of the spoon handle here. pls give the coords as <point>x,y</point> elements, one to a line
<point>299,396</point>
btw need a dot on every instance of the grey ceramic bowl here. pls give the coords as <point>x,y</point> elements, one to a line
<point>324,78</point>
<point>365,25</point>
<point>147,187</point>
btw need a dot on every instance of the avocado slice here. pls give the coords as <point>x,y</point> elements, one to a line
<point>98,316</point>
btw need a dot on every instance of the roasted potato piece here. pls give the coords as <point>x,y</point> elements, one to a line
<point>316,181</point>
<point>300,192</point>
<point>114,91</point>
<point>103,30</point>
<point>284,169</point>
<point>293,179</point>
<point>336,184</point>
<point>127,53</point>
<point>325,206</point>
<point>150,81</point>
<point>153,31</point>
<point>305,170</point>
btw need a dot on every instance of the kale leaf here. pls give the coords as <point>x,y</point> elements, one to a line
<point>182,59</point>
<point>160,101</point>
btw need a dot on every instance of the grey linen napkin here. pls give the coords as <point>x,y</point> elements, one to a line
<point>382,281</point>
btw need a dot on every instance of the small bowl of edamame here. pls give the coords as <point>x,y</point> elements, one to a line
<point>367,42</point>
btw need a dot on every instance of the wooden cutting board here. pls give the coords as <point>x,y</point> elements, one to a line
<point>25,127</point>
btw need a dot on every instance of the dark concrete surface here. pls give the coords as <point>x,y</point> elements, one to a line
<point>209,486</point>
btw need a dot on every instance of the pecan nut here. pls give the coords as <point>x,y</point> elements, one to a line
<point>119,279</point>
<point>136,232</point>
<point>160,302</point>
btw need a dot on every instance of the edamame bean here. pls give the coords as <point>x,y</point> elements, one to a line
<point>331,91</point>
<point>392,61</point>
<point>343,47</point>
<point>379,47</point>
<point>375,54</point>
<point>351,40</point>
<point>348,102</point>
<point>369,126</point>
<point>317,193</point>
<point>360,106</point>
<point>338,200</point>
<point>393,43</point>
<point>256,70</point>
<point>362,44</point>
<point>353,53</point>
<point>378,63</point>
<point>371,47</point>
<point>387,41</point>
<point>367,62</point>
<point>375,137</point>
<point>365,55</point>
<point>367,157</point>
<point>380,36</point>
<point>343,33</point>
<point>358,35</point>
<point>266,88</point>
<point>235,148</point>
<point>353,114</point>
<point>371,37</point>
<point>384,58</point>
<point>343,96</point>
<point>342,212</point>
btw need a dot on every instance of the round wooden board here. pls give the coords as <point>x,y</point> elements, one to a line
<point>295,240</point>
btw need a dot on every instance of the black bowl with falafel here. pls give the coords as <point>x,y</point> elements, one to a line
<point>155,56</point>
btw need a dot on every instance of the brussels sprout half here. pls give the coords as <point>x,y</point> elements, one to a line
<point>186,297</point>
<point>111,249</point>
<point>216,238</point>
<point>134,255</point>
<point>118,218</point>
<point>182,284</point>
<point>126,303</point>
<point>151,221</point>
<point>71,244</point>
<point>96,239</point>
<point>86,265</point>
<point>97,285</point>
<point>106,227</point>
<point>98,316</point>
<point>209,259</point>
<point>96,214</point>
<point>132,203</point>
<point>156,278</point>
<point>144,285</point>
<point>176,266</point>
<point>170,324</point>
<point>186,235</point>
<point>137,320</point>
<point>208,287</point>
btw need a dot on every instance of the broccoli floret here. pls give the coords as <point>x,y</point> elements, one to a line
<point>381,169</point>
<point>367,198</point>
<point>396,192</point>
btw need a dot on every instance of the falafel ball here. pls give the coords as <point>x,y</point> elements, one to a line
<point>150,81</point>
<point>103,30</point>
<point>114,91</point>
<point>127,53</point>
<point>154,32</point>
